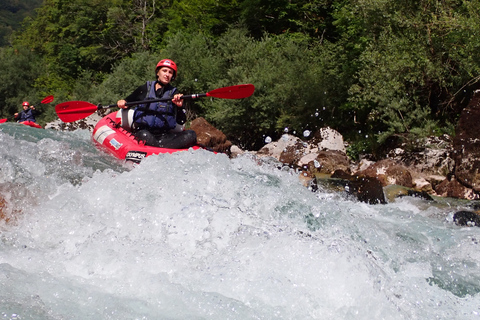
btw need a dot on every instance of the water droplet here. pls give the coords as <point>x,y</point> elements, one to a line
<point>268,139</point>
<point>306,133</point>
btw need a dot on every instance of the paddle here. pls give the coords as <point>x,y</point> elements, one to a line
<point>45,100</point>
<point>70,111</point>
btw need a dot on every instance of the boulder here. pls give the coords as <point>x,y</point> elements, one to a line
<point>466,145</point>
<point>210,137</point>
<point>365,189</point>
<point>389,172</point>
<point>329,139</point>
<point>428,156</point>
<point>454,189</point>
<point>3,209</point>
<point>87,124</point>
<point>466,218</point>
<point>327,162</point>
<point>276,148</point>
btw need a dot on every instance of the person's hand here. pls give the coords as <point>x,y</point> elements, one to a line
<point>15,114</point>
<point>177,99</point>
<point>121,104</point>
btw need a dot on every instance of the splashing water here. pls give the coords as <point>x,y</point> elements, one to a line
<point>195,235</point>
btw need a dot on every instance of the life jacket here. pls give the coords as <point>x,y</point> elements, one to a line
<point>156,117</point>
<point>26,115</point>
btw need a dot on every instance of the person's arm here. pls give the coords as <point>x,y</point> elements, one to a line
<point>138,95</point>
<point>35,112</point>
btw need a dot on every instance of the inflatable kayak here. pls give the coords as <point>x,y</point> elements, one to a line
<point>110,137</point>
<point>31,124</point>
<point>27,123</point>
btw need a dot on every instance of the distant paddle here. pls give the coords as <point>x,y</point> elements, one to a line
<point>47,99</point>
<point>70,111</point>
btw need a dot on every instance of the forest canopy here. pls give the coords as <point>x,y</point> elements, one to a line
<point>371,69</point>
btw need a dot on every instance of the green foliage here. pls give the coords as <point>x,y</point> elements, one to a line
<point>281,67</point>
<point>73,37</point>
<point>286,16</point>
<point>409,69</point>
<point>19,69</point>
<point>12,14</point>
<point>125,77</point>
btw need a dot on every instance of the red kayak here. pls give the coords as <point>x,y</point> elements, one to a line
<point>110,137</point>
<point>31,124</point>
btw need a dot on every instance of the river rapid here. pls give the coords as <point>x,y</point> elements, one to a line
<point>196,235</point>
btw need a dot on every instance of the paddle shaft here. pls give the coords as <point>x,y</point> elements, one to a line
<point>133,103</point>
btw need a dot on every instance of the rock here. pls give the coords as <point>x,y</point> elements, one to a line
<point>291,154</point>
<point>422,185</point>
<point>235,151</point>
<point>276,148</point>
<point>323,154</point>
<point>3,210</point>
<point>466,218</point>
<point>466,145</point>
<point>366,189</point>
<point>429,156</point>
<point>329,139</point>
<point>327,162</point>
<point>454,189</point>
<point>210,137</point>
<point>88,124</point>
<point>420,194</point>
<point>389,172</point>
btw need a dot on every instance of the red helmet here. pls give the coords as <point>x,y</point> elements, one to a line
<point>25,103</point>
<point>167,63</point>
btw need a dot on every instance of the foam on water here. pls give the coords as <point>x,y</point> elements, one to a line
<point>196,235</point>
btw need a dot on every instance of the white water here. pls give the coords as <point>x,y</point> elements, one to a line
<point>196,235</point>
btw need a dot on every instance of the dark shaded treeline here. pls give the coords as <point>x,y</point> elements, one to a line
<point>12,13</point>
<point>370,69</point>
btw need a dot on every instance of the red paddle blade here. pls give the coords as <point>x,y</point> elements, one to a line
<point>70,111</point>
<point>234,92</point>
<point>47,99</point>
<point>3,120</point>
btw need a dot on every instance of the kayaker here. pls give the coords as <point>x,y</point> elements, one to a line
<point>28,114</point>
<point>158,124</point>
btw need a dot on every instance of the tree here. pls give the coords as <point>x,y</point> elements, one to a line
<point>20,68</point>
<point>411,62</point>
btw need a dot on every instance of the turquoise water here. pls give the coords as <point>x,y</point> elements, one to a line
<point>196,235</point>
